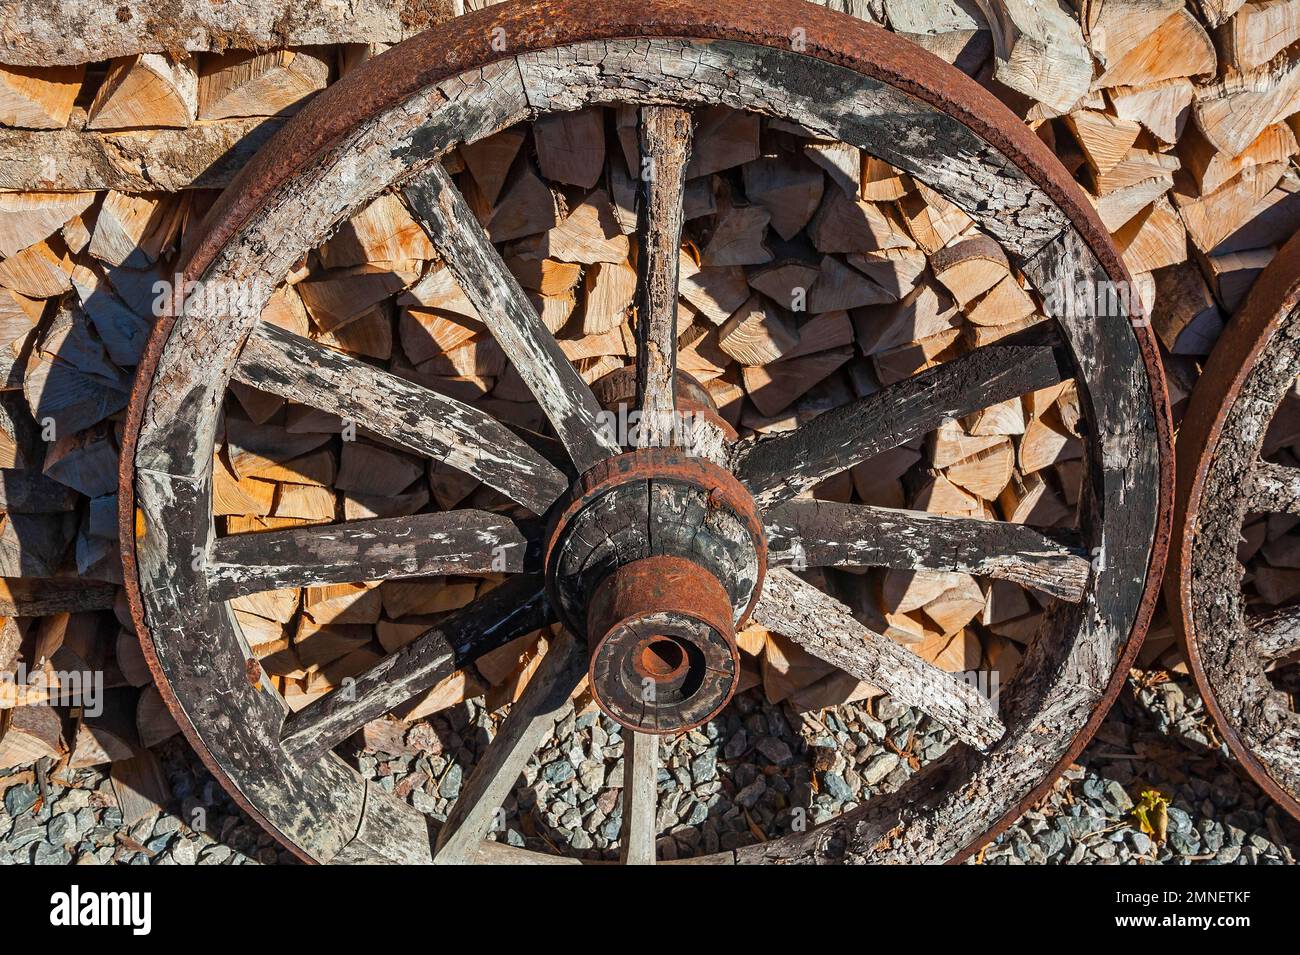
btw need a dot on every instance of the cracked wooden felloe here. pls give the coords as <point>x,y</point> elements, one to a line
<point>279,765</point>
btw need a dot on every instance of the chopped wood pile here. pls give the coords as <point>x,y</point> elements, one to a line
<point>811,274</point>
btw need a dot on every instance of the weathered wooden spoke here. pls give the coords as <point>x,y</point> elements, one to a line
<point>780,467</point>
<point>1274,489</point>
<point>665,148</point>
<point>640,798</point>
<point>453,542</point>
<point>828,534</point>
<point>447,430</point>
<point>530,721</point>
<point>824,627</point>
<point>1275,633</point>
<point>505,309</point>
<point>1223,483</point>
<point>653,557</point>
<point>511,610</point>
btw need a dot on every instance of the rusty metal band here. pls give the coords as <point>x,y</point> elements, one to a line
<point>642,587</point>
<point>667,464</point>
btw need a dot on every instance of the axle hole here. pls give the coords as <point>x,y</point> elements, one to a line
<point>662,657</point>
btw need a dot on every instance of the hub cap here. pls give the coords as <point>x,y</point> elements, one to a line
<point>656,558</point>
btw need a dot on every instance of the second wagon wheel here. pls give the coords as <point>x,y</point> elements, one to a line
<point>1235,470</point>
<point>650,557</point>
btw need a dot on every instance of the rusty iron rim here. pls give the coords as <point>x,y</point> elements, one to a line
<point>468,41</point>
<point>1274,295</point>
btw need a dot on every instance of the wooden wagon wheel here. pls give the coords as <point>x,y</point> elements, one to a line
<point>686,543</point>
<point>1224,477</point>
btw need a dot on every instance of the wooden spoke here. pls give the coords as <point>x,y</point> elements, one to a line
<point>530,721</point>
<point>1276,633</point>
<point>415,417</point>
<point>510,316</point>
<point>665,148</point>
<point>452,542</point>
<point>516,607</point>
<point>1274,489</point>
<point>780,467</point>
<point>640,797</point>
<point>828,534</point>
<point>824,627</point>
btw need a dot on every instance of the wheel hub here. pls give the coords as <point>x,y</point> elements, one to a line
<point>655,558</point>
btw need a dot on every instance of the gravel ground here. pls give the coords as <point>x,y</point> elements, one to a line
<point>758,772</point>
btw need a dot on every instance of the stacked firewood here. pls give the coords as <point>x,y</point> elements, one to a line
<point>811,275</point>
<point>88,246</point>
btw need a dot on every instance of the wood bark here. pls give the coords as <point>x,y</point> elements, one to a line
<point>78,31</point>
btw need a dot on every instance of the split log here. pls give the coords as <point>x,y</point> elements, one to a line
<point>846,223</point>
<point>1211,169</point>
<point>773,387</point>
<point>382,232</point>
<point>27,218</point>
<point>1185,315</point>
<point>111,735</point>
<point>571,146</point>
<point>1162,108</point>
<point>275,83</point>
<point>30,733</point>
<point>1178,47</point>
<point>1153,239</point>
<point>970,268</point>
<point>1233,111</point>
<point>134,231</point>
<point>1105,139</point>
<point>759,332</point>
<point>148,90</point>
<point>38,97</point>
<point>724,138</point>
<point>738,237</point>
<point>931,219</point>
<point>716,292</point>
<point>1039,51</point>
<point>788,187</point>
<point>609,291</point>
<point>489,161</point>
<point>1257,32</point>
